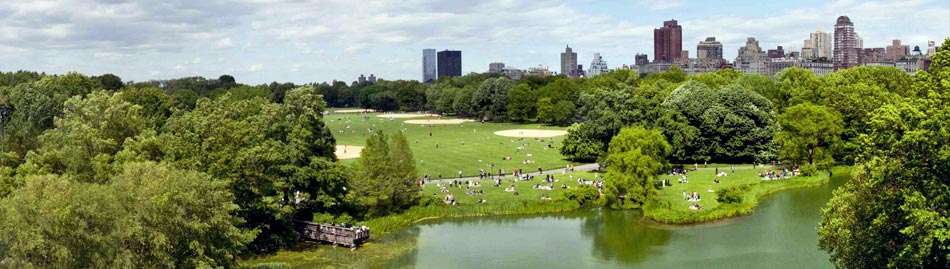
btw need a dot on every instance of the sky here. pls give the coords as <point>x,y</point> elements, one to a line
<point>302,41</point>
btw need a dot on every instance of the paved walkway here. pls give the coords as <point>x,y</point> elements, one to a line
<point>592,167</point>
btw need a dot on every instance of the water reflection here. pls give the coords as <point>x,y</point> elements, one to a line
<point>618,236</point>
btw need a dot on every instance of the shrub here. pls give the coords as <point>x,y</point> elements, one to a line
<point>809,170</point>
<point>732,195</point>
<point>582,194</point>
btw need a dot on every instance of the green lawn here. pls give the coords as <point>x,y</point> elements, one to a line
<point>467,147</point>
<point>674,209</point>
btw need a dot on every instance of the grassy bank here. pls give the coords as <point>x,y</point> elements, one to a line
<point>673,209</point>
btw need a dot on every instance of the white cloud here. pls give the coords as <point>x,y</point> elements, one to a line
<point>224,43</point>
<point>255,68</point>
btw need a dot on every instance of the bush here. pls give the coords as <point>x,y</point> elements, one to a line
<point>732,195</point>
<point>809,170</point>
<point>582,194</point>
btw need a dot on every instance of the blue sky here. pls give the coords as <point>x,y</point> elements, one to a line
<point>260,41</point>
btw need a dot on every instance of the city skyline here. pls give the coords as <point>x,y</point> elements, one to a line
<point>320,41</point>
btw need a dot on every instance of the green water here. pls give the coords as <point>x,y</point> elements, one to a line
<point>780,234</point>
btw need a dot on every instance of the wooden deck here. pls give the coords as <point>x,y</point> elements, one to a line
<point>336,235</point>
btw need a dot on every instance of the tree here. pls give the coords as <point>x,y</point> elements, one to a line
<point>635,157</point>
<point>893,211</point>
<point>149,216</point>
<point>545,110</point>
<point>265,151</point>
<point>734,124</point>
<point>522,104</point>
<point>110,82</point>
<point>383,178</point>
<point>808,133</point>
<point>491,99</point>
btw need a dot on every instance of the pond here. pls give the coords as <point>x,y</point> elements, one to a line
<point>780,234</point>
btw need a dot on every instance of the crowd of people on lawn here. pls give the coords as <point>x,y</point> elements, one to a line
<point>546,184</point>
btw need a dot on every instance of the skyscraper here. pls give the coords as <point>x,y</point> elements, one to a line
<point>449,63</point>
<point>569,63</point>
<point>667,42</point>
<point>710,49</point>
<point>845,54</point>
<point>597,66</point>
<point>429,66</point>
<point>817,46</point>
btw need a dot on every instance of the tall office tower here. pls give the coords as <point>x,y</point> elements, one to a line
<point>496,67</point>
<point>667,42</point>
<point>845,53</point>
<point>361,79</point>
<point>817,46</point>
<point>751,58</point>
<point>449,63</point>
<point>597,66</point>
<point>569,63</point>
<point>896,51</point>
<point>429,66</point>
<point>709,49</point>
<point>372,78</point>
<point>931,48</point>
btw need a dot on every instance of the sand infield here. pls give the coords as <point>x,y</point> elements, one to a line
<point>354,111</point>
<point>347,152</point>
<point>452,121</point>
<point>400,116</point>
<point>531,133</point>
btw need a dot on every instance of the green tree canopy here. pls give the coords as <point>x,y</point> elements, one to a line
<point>808,134</point>
<point>635,157</point>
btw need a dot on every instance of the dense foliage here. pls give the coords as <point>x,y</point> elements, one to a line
<point>895,212</point>
<point>635,157</point>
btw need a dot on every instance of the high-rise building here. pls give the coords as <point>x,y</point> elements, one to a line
<point>569,63</point>
<point>817,46</point>
<point>597,66</point>
<point>449,63</point>
<point>776,53</point>
<point>751,58</point>
<point>845,53</point>
<point>667,42</point>
<point>372,78</point>
<point>896,51</point>
<point>361,79</point>
<point>496,67</point>
<point>709,49</point>
<point>931,48</point>
<point>429,66</point>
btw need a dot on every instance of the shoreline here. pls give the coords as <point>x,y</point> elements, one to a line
<point>664,218</point>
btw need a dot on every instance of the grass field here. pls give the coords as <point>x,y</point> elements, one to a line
<point>675,210</point>
<point>468,147</point>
